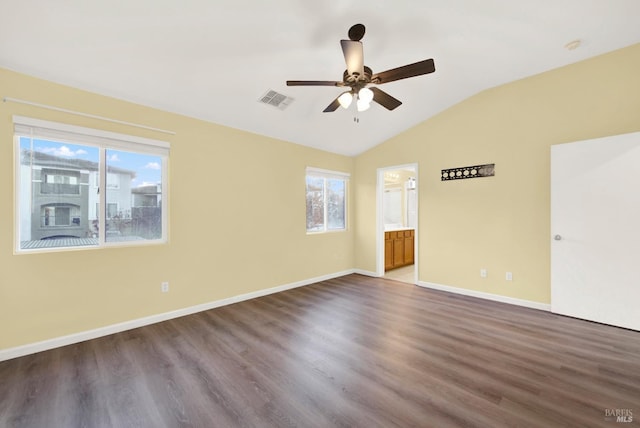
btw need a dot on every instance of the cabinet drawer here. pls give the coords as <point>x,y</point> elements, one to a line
<point>408,233</point>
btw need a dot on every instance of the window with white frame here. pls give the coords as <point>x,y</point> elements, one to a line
<point>80,187</point>
<point>326,193</point>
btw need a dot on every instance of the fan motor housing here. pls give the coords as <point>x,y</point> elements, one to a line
<point>357,80</point>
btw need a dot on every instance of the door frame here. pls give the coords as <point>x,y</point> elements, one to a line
<point>380,218</point>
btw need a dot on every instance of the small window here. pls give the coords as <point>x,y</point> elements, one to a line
<point>326,193</point>
<point>60,215</point>
<point>112,210</point>
<point>80,187</point>
<point>58,181</point>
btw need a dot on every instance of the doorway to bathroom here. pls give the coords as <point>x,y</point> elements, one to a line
<point>397,223</point>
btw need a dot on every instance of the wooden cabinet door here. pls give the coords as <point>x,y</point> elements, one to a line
<point>398,249</point>
<point>388,253</point>
<point>408,247</point>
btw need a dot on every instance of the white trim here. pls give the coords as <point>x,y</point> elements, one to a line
<point>319,172</point>
<point>380,268</point>
<point>92,116</point>
<point>329,175</point>
<point>32,348</point>
<point>488,296</point>
<point>103,140</point>
<point>38,128</point>
<point>366,273</point>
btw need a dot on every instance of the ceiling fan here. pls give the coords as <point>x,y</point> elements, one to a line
<point>358,76</point>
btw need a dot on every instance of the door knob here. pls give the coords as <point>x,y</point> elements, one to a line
<point>558,238</point>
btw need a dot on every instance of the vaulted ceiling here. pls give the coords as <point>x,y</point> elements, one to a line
<point>215,59</point>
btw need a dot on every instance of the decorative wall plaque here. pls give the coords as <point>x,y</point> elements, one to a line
<point>463,172</point>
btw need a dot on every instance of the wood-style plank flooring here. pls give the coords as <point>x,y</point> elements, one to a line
<point>348,352</point>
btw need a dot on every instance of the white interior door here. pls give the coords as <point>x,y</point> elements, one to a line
<point>595,225</point>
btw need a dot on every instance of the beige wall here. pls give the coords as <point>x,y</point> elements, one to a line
<point>237,224</point>
<point>231,234</point>
<point>500,223</point>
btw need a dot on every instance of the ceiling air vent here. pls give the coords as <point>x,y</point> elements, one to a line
<point>275,99</point>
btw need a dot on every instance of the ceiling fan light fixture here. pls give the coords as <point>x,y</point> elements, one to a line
<point>345,99</point>
<point>357,76</point>
<point>366,95</point>
<point>363,105</point>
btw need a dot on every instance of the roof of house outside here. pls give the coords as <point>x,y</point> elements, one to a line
<point>45,159</point>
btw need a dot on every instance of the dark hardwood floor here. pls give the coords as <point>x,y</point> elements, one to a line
<point>349,352</point>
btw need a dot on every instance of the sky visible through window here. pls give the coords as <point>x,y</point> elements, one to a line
<point>148,168</point>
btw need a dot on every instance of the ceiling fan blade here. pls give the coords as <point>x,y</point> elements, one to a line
<point>384,99</point>
<point>411,70</point>
<point>314,83</point>
<point>332,107</point>
<point>353,56</point>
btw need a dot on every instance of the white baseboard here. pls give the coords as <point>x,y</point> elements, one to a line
<point>32,348</point>
<point>366,273</point>
<point>488,296</point>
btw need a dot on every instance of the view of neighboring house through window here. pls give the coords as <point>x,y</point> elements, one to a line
<point>79,187</point>
<point>133,205</point>
<point>326,200</point>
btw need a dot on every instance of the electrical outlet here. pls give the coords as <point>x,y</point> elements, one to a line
<point>483,273</point>
<point>509,276</point>
<point>164,287</point>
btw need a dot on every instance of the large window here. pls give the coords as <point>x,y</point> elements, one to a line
<point>80,187</point>
<point>326,200</point>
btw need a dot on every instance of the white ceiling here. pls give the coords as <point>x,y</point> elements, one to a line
<point>214,59</point>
